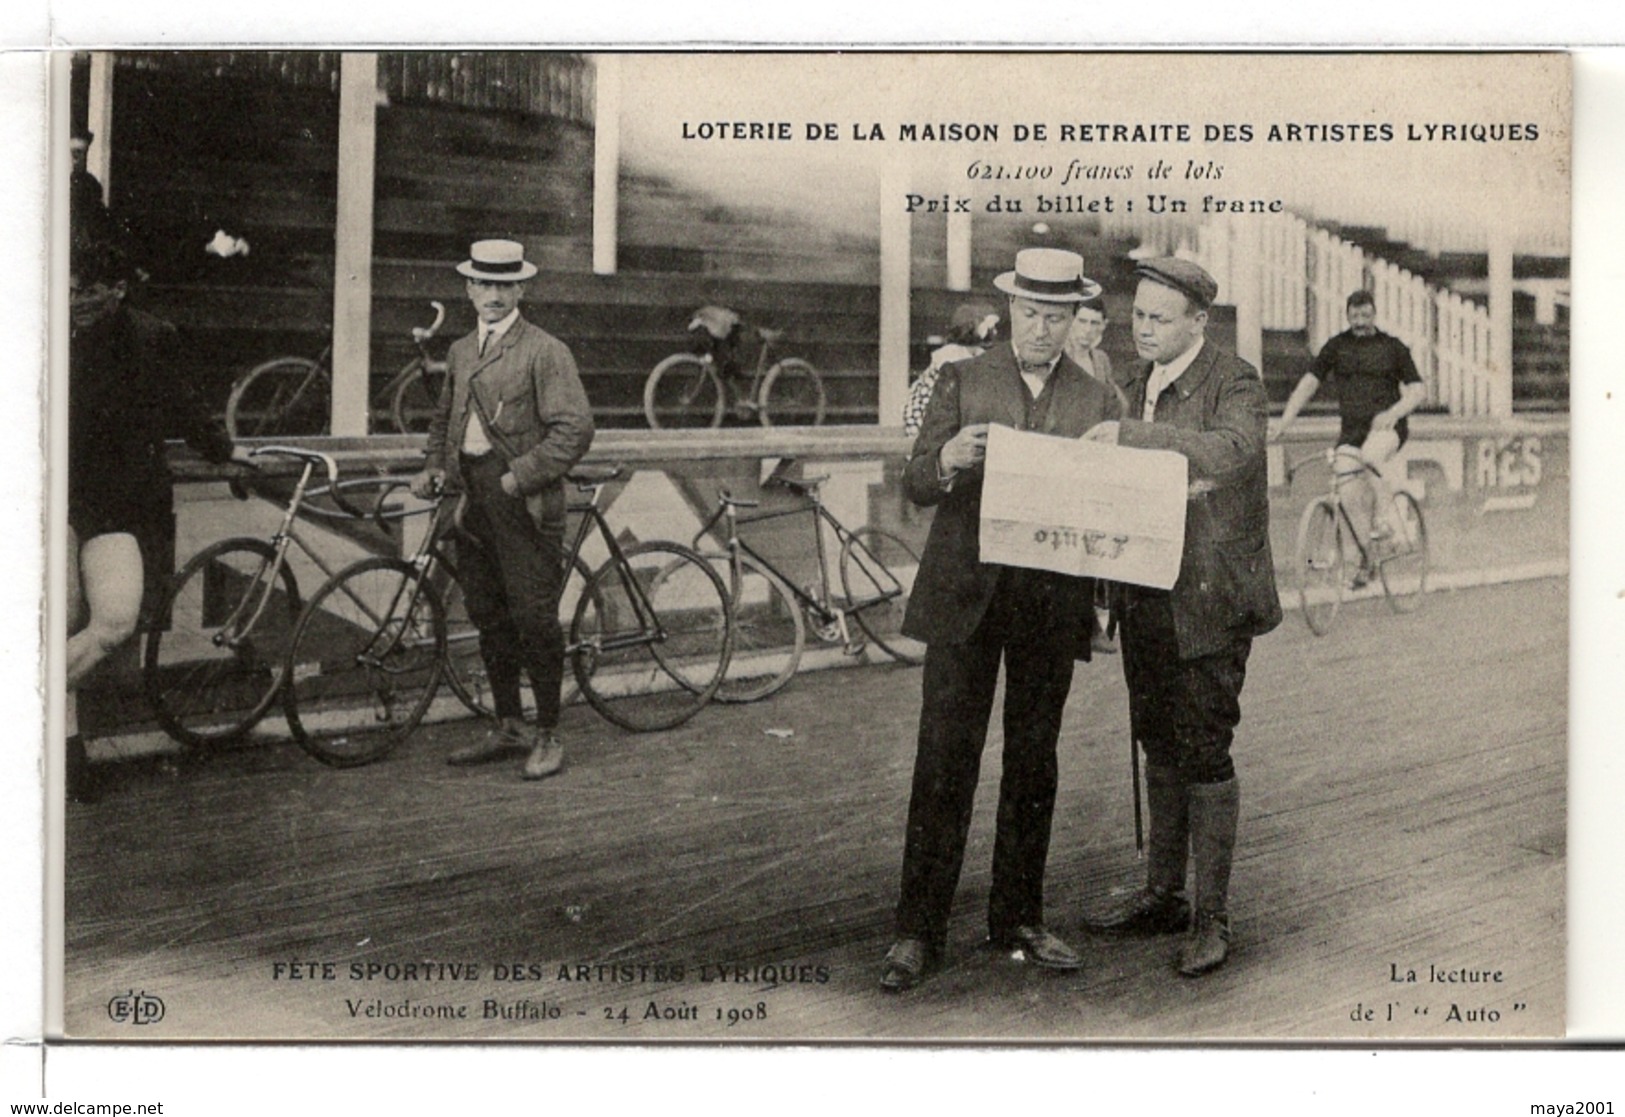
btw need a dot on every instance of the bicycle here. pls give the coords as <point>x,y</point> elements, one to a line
<point>290,396</point>
<point>772,612</point>
<point>213,666</point>
<point>648,643</point>
<point>1327,538</point>
<point>695,389</point>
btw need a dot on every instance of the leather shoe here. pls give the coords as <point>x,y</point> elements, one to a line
<point>1208,945</point>
<point>507,738</point>
<point>906,965</point>
<point>1039,946</point>
<point>1145,912</point>
<point>546,756</point>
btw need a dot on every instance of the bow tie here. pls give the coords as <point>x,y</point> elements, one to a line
<point>1033,370</point>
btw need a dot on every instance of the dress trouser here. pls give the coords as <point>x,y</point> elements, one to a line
<point>1185,711</point>
<point>957,703</point>
<point>512,576</point>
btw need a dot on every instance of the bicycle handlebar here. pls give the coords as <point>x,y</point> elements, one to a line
<point>312,458</point>
<point>421,334</point>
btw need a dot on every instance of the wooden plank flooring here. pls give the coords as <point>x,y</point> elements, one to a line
<point>1403,806</point>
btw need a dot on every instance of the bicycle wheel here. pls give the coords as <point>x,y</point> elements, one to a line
<point>1403,564</point>
<point>1319,560</point>
<point>365,662</point>
<point>683,391</point>
<point>877,573</point>
<point>650,640</point>
<point>465,667</point>
<point>792,395</point>
<point>769,634</point>
<point>413,404</point>
<point>285,396</point>
<point>214,664</point>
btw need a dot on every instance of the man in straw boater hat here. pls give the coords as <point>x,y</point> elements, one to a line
<point>974,615</point>
<point>1185,649</point>
<point>511,421</point>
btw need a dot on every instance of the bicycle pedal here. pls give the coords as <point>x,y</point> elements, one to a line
<point>855,648</point>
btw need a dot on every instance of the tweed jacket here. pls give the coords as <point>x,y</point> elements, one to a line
<point>1215,414</point>
<point>531,394</point>
<point>953,587</point>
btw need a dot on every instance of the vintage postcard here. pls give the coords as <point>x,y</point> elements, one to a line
<point>748,261</point>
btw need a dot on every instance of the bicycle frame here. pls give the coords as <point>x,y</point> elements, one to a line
<point>1335,494</point>
<point>734,543</point>
<point>428,557</point>
<point>286,533</point>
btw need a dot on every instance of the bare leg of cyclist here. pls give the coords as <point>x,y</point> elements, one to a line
<point>1355,492</point>
<point>111,568</point>
<point>1378,448</point>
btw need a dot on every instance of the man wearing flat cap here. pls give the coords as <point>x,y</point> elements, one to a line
<point>1185,650</point>
<point>974,615</point>
<point>511,421</point>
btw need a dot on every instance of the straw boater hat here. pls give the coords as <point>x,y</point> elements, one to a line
<point>497,261</point>
<point>1051,275</point>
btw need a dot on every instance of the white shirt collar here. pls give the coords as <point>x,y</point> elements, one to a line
<point>1174,369</point>
<point>497,329</point>
<point>1034,381</point>
<point>1164,375</point>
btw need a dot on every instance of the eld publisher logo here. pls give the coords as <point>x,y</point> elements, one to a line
<point>135,1008</point>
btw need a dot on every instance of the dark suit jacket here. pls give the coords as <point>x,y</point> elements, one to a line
<point>953,587</point>
<point>1215,414</point>
<point>531,393</point>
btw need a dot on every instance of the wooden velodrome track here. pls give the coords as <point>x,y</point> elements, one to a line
<point>1403,808</point>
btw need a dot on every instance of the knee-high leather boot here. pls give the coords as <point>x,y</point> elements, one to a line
<point>1159,908</point>
<point>1214,809</point>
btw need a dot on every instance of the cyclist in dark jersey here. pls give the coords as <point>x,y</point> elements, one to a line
<point>125,398</point>
<point>1377,387</point>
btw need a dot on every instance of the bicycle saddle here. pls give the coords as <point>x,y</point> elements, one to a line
<point>588,476</point>
<point>768,336</point>
<point>802,485</point>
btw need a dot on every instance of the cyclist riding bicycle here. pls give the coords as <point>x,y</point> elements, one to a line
<point>1377,387</point>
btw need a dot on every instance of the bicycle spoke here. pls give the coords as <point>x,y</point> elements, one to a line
<point>877,574</point>
<point>215,665</point>
<point>1403,561</point>
<point>769,635</point>
<point>1319,563</point>
<point>365,662</point>
<point>650,641</point>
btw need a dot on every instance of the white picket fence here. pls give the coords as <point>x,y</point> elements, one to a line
<point>1308,274</point>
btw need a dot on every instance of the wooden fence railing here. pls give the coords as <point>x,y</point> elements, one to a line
<point>1307,274</point>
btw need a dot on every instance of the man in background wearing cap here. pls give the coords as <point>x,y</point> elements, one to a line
<point>1185,650</point>
<point>973,615</point>
<point>511,421</point>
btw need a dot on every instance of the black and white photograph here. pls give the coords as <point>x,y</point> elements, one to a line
<point>542,530</point>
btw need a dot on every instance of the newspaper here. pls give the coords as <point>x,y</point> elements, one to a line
<point>1086,508</point>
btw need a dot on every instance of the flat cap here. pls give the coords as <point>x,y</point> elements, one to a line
<point>1187,278</point>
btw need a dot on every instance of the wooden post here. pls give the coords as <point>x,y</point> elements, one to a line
<point>959,252</point>
<point>606,164</point>
<point>895,253</point>
<point>99,118</point>
<point>1500,401</point>
<point>1247,272</point>
<point>352,262</point>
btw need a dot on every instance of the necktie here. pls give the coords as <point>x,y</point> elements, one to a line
<point>485,340</point>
